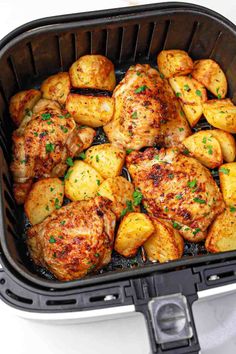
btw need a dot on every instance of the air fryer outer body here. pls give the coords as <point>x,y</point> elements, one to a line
<point>126,36</point>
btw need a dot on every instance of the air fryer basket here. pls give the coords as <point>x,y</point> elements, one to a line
<point>126,36</point>
<point>135,35</point>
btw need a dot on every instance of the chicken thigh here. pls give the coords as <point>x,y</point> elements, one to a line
<point>177,188</point>
<point>41,145</point>
<point>146,111</point>
<point>75,239</point>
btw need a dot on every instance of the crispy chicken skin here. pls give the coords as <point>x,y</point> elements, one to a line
<point>143,104</point>
<point>41,146</point>
<point>177,188</point>
<point>74,240</point>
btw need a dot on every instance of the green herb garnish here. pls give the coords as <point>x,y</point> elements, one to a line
<point>69,161</point>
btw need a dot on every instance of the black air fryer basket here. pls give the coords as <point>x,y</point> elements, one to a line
<point>126,36</point>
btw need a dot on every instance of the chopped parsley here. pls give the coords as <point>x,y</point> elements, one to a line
<point>63,222</point>
<point>186,152</point>
<point>178,196</point>
<point>204,140</point>
<point>51,189</point>
<point>82,156</point>
<point>23,161</point>
<point>134,115</point>
<point>68,173</point>
<point>98,182</point>
<point>129,207</point>
<point>192,184</point>
<point>181,129</point>
<point>199,200</point>
<point>195,232</point>
<point>128,151</point>
<point>176,225</point>
<point>35,134</point>
<point>157,157</point>
<point>162,75</point>
<point>50,147</point>
<point>232,209</point>
<point>137,196</point>
<point>47,207</point>
<point>218,95</point>
<point>178,94</point>
<point>69,161</point>
<point>182,113</point>
<point>187,88</point>
<point>166,210</point>
<point>97,255</point>
<point>46,116</point>
<point>97,158</point>
<point>224,170</point>
<point>141,89</point>
<point>198,92</point>
<point>57,203</point>
<point>52,239</point>
<point>64,129</point>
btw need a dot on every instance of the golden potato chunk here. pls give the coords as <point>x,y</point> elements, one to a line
<point>221,114</point>
<point>165,244</point>
<point>94,111</point>
<point>22,103</point>
<point>81,181</point>
<point>133,231</point>
<point>107,159</point>
<point>210,74</point>
<point>122,194</point>
<point>227,143</point>
<point>93,71</point>
<point>191,95</point>
<point>222,233</point>
<point>227,174</point>
<point>174,62</point>
<point>45,196</point>
<point>56,87</point>
<point>205,148</point>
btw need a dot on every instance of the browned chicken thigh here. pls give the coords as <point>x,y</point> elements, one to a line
<point>146,111</point>
<point>74,240</point>
<point>41,145</point>
<point>177,188</point>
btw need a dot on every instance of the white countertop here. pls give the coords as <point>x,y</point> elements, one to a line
<point>215,319</point>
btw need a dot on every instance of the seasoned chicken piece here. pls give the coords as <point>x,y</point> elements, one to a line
<point>146,111</point>
<point>75,239</point>
<point>41,146</point>
<point>177,188</point>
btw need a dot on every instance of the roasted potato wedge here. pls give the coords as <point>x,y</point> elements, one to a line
<point>81,181</point>
<point>56,87</point>
<point>86,135</point>
<point>121,193</point>
<point>165,244</point>
<point>227,143</point>
<point>227,174</point>
<point>45,196</point>
<point>93,71</point>
<point>205,148</point>
<point>133,231</point>
<point>221,114</point>
<point>22,103</point>
<point>174,62</point>
<point>191,95</point>
<point>107,159</point>
<point>222,233</point>
<point>48,105</point>
<point>94,111</point>
<point>210,74</point>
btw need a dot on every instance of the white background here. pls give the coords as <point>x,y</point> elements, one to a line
<point>215,319</point>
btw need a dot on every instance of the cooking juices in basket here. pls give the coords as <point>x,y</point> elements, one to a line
<point>128,39</point>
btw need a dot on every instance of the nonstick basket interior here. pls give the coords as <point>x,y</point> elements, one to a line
<point>126,38</point>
